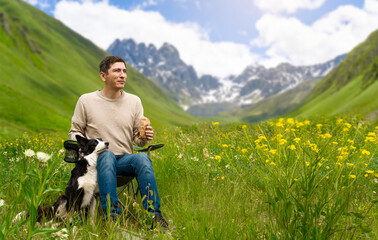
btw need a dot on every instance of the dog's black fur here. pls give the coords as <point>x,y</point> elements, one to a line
<point>82,186</point>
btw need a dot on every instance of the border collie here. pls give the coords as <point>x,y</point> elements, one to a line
<point>80,194</point>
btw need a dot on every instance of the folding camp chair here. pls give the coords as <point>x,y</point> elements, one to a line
<point>72,156</point>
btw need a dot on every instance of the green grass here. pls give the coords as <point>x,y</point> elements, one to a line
<point>283,179</point>
<point>351,99</point>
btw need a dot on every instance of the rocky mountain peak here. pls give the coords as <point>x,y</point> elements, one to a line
<point>165,67</point>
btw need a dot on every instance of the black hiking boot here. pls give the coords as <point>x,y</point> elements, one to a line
<point>159,220</point>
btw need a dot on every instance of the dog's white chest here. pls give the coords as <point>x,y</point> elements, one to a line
<point>88,182</point>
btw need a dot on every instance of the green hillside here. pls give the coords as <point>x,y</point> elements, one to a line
<point>45,67</point>
<point>351,88</point>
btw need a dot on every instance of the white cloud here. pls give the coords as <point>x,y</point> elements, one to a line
<point>103,23</point>
<point>371,6</point>
<point>288,39</point>
<point>289,6</point>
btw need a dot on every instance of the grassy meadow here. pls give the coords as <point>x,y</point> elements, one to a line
<point>282,179</point>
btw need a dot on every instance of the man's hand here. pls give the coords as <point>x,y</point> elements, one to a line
<point>149,133</point>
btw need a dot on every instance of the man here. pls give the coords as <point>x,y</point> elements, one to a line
<point>114,115</point>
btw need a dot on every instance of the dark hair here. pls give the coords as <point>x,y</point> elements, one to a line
<point>108,61</point>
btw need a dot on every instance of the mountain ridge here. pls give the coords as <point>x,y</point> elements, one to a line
<point>190,91</point>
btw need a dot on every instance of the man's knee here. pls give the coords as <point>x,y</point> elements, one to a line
<point>106,158</point>
<point>143,160</point>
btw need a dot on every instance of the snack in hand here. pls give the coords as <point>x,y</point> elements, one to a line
<point>144,122</point>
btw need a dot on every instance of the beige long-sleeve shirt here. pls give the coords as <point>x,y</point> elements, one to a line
<point>114,120</point>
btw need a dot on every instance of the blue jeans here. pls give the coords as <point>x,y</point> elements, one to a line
<point>137,165</point>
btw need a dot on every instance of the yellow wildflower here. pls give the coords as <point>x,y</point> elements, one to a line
<point>244,126</point>
<point>292,147</point>
<point>282,141</point>
<point>326,135</point>
<point>341,157</point>
<point>244,150</point>
<point>273,151</point>
<point>300,124</point>
<point>216,123</point>
<point>262,138</point>
<point>290,121</point>
<point>370,171</point>
<point>273,164</point>
<point>307,164</point>
<point>365,152</point>
<point>296,140</point>
<point>352,176</point>
<point>370,137</point>
<point>350,165</point>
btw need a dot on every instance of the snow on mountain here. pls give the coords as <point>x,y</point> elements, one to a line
<point>255,83</point>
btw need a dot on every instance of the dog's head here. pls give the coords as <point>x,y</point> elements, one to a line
<point>89,146</point>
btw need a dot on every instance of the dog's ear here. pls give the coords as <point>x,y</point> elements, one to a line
<point>81,140</point>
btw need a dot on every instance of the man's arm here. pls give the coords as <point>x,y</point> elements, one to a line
<point>78,123</point>
<point>149,130</point>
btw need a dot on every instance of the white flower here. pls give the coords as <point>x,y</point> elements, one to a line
<point>2,202</point>
<point>19,216</point>
<point>62,234</point>
<point>228,166</point>
<point>205,153</point>
<point>43,157</point>
<point>29,153</point>
<point>61,151</point>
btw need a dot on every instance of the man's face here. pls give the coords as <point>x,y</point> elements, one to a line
<point>116,76</point>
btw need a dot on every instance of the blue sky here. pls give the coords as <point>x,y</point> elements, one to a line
<point>222,37</point>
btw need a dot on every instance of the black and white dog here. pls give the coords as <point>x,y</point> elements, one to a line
<point>80,194</point>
